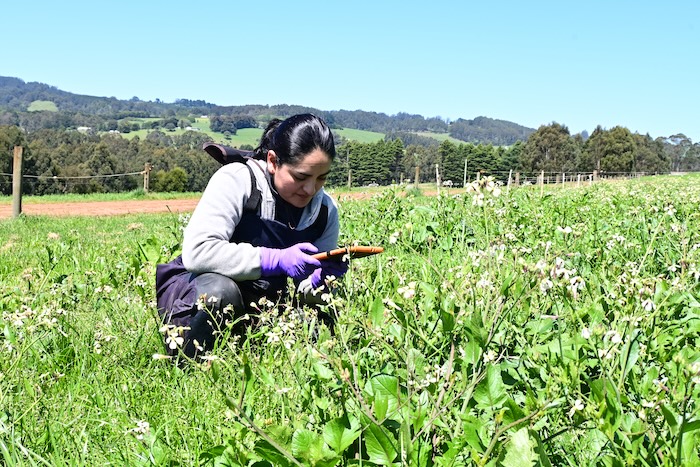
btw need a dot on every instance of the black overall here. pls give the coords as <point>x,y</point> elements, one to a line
<point>178,291</point>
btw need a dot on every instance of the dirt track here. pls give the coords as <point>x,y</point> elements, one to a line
<point>114,208</point>
<point>101,208</point>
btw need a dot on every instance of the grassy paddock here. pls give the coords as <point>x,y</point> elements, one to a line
<point>521,329</point>
<point>251,136</point>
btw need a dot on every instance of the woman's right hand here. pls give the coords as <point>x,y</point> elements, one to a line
<point>295,261</point>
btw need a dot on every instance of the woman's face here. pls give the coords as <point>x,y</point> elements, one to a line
<point>298,183</point>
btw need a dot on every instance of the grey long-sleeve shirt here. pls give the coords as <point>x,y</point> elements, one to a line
<point>206,246</point>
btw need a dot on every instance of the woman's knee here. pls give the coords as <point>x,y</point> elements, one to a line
<point>218,291</point>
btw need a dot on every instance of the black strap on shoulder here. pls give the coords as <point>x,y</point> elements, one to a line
<point>226,155</point>
<point>255,194</point>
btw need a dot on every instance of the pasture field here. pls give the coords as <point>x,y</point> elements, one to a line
<point>37,106</point>
<point>251,136</point>
<point>498,327</point>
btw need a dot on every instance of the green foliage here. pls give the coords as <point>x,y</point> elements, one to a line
<point>497,328</point>
<point>489,131</point>
<point>174,180</point>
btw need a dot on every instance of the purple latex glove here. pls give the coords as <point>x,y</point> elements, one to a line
<point>295,261</point>
<point>328,268</point>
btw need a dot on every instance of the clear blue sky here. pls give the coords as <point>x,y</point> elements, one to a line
<point>582,64</point>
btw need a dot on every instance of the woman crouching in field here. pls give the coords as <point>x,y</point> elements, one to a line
<point>257,223</point>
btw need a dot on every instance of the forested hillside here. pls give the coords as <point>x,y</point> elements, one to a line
<point>77,144</point>
<point>104,113</point>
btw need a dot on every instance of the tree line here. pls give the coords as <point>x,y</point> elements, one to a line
<point>58,161</point>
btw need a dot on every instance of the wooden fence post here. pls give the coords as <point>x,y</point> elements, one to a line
<point>416,180</point>
<point>510,176</point>
<point>542,183</point>
<point>146,176</point>
<point>437,178</point>
<point>17,181</point>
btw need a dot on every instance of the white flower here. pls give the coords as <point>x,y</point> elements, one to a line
<point>393,238</point>
<point>173,335</point>
<point>575,285</point>
<point>409,291</point>
<point>586,333</point>
<point>484,282</point>
<point>490,356</point>
<point>648,305</point>
<point>141,429</point>
<point>546,285</point>
<point>577,407</point>
<point>565,230</point>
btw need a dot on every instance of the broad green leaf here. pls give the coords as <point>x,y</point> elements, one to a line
<point>309,446</point>
<point>376,312</point>
<point>384,390</point>
<point>491,392</point>
<point>632,353</point>
<point>215,370</point>
<point>339,436</point>
<point>448,321</point>
<point>472,352</point>
<point>514,412</point>
<point>415,362</point>
<point>385,384</point>
<point>446,243</point>
<point>381,445</point>
<point>322,371</point>
<point>520,451</point>
<point>271,454</point>
<point>470,428</point>
<point>670,416</point>
<point>381,406</point>
<point>691,426</point>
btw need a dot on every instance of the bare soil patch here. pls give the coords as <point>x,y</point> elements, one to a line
<point>115,208</point>
<point>102,208</point>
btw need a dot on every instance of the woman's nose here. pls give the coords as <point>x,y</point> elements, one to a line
<point>310,187</point>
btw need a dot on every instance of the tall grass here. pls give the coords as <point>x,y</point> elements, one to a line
<point>497,328</point>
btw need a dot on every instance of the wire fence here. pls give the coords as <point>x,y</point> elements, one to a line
<point>512,178</point>
<point>65,183</point>
<point>517,178</point>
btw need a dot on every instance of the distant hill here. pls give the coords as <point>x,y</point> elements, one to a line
<point>18,106</point>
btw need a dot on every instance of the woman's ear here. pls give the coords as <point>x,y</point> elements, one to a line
<point>271,162</point>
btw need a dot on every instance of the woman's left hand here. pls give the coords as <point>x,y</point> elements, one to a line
<point>328,268</point>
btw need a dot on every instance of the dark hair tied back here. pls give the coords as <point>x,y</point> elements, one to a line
<point>294,138</point>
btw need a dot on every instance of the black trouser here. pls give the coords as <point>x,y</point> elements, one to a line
<point>220,300</point>
<point>217,302</point>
